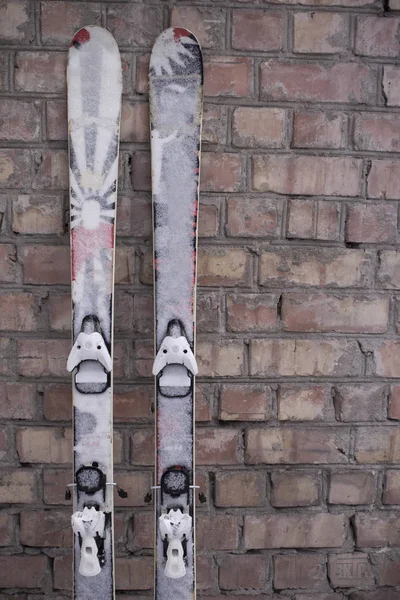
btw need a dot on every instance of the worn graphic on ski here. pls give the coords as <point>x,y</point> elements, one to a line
<point>94,105</point>
<point>176,81</point>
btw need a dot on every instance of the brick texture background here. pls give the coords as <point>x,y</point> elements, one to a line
<point>298,399</point>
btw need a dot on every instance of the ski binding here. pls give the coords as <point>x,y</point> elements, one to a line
<point>89,524</point>
<point>174,361</point>
<point>175,528</point>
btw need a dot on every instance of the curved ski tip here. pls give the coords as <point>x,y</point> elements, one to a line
<point>176,50</point>
<point>178,35</point>
<point>96,35</point>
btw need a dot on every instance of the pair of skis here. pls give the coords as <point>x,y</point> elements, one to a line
<point>94,105</point>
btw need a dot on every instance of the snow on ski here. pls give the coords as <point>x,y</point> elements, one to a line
<point>176,89</point>
<point>94,105</point>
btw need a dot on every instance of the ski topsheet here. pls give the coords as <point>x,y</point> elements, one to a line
<point>176,89</point>
<point>94,105</point>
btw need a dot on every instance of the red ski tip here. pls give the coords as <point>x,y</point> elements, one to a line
<point>180,32</point>
<point>80,38</point>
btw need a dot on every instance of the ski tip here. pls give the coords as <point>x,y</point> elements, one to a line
<point>96,34</point>
<point>81,37</point>
<point>176,50</point>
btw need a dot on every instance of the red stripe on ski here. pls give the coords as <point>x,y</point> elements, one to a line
<point>82,37</point>
<point>180,32</point>
<point>87,244</point>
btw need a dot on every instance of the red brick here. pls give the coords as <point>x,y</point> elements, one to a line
<point>60,312</point>
<point>377,594</point>
<point>301,357</point>
<point>134,573</point>
<point>223,358</point>
<point>42,528</point>
<point>299,571</point>
<point>62,572</point>
<point>377,132</point>
<point>350,570</point>
<point>296,446</point>
<point>205,576</point>
<point>331,312</point>
<point>215,119</point>
<point>4,69</point>
<point>388,568</point>
<point>143,314</point>
<point>18,401</point>
<point>322,267</point>
<point>60,20</point>
<point>51,170</point>
<point>134,215</point>
<point>38,358</point>
<point>223,266</point>
<point>221,172</point>
<point>304,403</point>
<point>8,264</point>
<point>8,529</point>
<point>258,127</point>
<point>141,531</point>
<point>24,571</point>
<point>391,84</point>
<point>242,571</point>
<point>142,74</point>
<point>394,402</point>
<point>46,264</point>
<point>240,488</point>
<point>38,214</point>
<point>134,403</point>
<point>19,311</point>
<point>16,22</point>
<point>44,444</point>
<point>319,129</point>
<point>19,486</point>
<point>352,487</point>
<point>125,264</point>
<point>389,269</point>
<point>228,76</point>
<point>377,529</point>
<point>218,446</point>
<point>217,532</point>
<point>377,36</point>
<point>142,447</point>
<point>204,402</point>
<point>258,30</point>
<point>253,217</point>
<point>251,312</point>
<point>377,445</point>
<point>55,483</point>
<point>208,313</point>
<point>40,72</point>
<point>56,119</point>
<point>344,3</point>
<point>307,175</point>
<point>134,25</point>
<point>384,179</point>
<point>57,402</point>
<point>123,312</point>
<point>386,359</point>
<point>137,484</point>
<point>141,171</point>
<point>135,125</point>
<point>19,120</point>
<point>15,168</point>
<point>206,23</point>
<point>7,356</point>
<point>327,220</point>
<point>301,530</point>
<point>320,32</point>
<point>361,402</point>
<point>317,82</point>
<point>295,488</point>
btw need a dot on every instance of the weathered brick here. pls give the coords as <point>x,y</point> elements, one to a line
<point>299,571</point>
<point>55,483</point>
<point>320,32</point>
<point>242,571</point>
<point>377,36</point>
<point>350,570</point>
<point>208,312</point>
<point>258,30</point>
<point>18,401</point>
<point>60,312</point>
<point>220,172</point>
<point>391,491</point>
<point>7,356</point>
<point>295,446</point>
<point>38,214</point>
<point>252,312</point>
<point>16,22</point>
<point>377,594</point>
<point>206,22</point>
<point>135,125</point>
<point>8,528</point>
<point>8,264</point>
<point>307,175</point>
<point>240,488</point>
<point>135,24</point>
<point>142,447</point>
<point>325,267</point>
<point>384,179</point>
<point>19,311</point>
<point>352,487</point>
<point>225,358</point>
<point>389,269</point>
<point>310,403</point>
<point>295,488</point>
<point>317,82</point>
<point>44,444</point>
<point>142,74</point>
<point>57,402</point>
<point>137,484</point>
<point>62,572</point>
<point>258,127</point>
<point>377,445</point>
<point>224,266</point>
<point>371,223</point>
<point>228,76</point>
<point>38,358</point>
<point>394,402</point>
<point>302,530</point>
<point>217,532</point>
<point>205,573</point>
<point>204,408</point>
<point>134,215</point>
<point>386,359</point>
<point>40,72</point>
<point>253,217</point>
<point>218,446</point>
<point>51,170</point>
<point>24,571</point>
<point>19,120</point>
<point>301,357</point>
<point>331,312</point>
<point>141,531</point>
<point>387,566</point>
<point>378,132</point>
<point>245,402</point>
<point>56,119</point>
<point>319,129</point>
<point>125,264</point>
<point>377,529</point>
<point>134,573</point>
<point>215,120</point>
<point>60,20</point>
<point>391,85</point>
<point>15,168</point>
<point>361,402</point>
<point>41,528</point>
<point>19,486</point>
<point>46,264</point>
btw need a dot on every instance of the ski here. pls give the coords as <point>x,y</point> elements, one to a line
<point>176,90</point>
<point>94,83</point>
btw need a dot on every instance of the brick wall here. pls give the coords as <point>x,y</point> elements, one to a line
<point>298,402</point>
